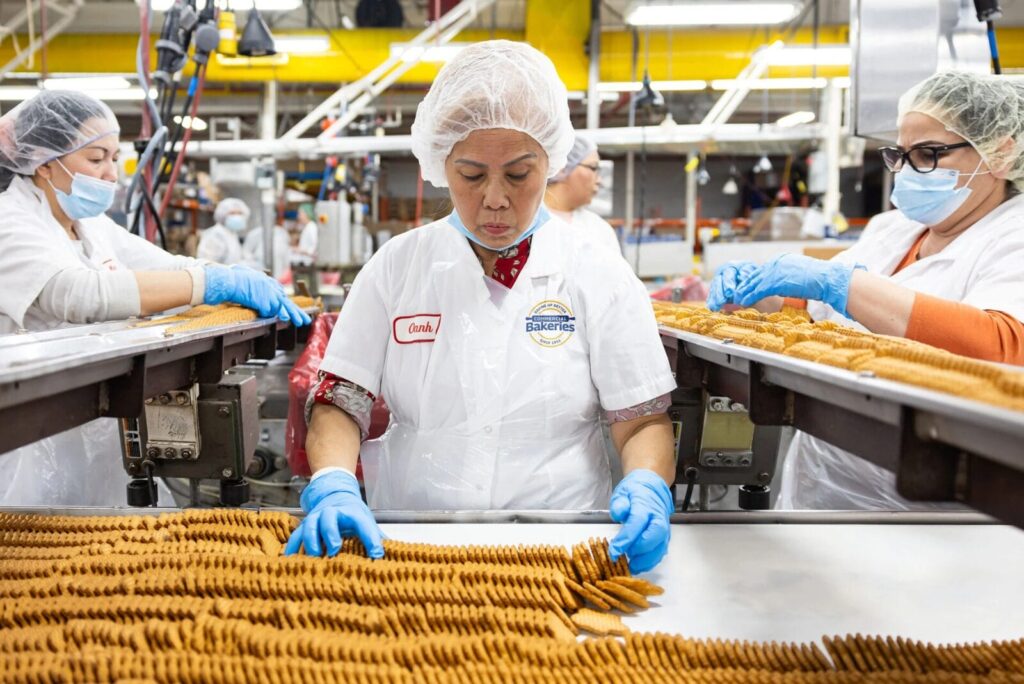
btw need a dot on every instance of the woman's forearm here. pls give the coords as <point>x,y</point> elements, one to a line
<point>646,442</point>
<point>879,305</point>
<point>333,439</point>
<point>163,290</point>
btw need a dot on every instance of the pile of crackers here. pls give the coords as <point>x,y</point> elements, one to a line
<point>792,333</point>
<point>206,596</point>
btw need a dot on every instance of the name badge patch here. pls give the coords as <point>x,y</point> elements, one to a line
<point>550,323</point>
<point>417,328</point>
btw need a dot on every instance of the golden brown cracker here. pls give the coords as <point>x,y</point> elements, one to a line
<point>599,623</point>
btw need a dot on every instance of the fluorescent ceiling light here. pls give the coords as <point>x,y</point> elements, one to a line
<point>426,53</point>
<point>771,83</point>
<point>196,124</point>
<point>709,13</point>
<point>18,93</point>
<point>302,45</point>
<point>664,86</point>
<point>795,119</point>
<point>827,55</point>
<point>235,5</point>
<point>88,83</point>
<point>275,60</point>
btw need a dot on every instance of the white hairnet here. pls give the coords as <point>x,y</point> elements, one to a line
<point>51,124</point>
<point>230,205</point>
<point>581,149</point>
<point>985,110</point>
<point>492,84</point>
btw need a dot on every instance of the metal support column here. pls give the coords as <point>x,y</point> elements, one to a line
<point>594,73</point>
<point>691,200</point>
<point>833,132</point>
<point>268,131</point>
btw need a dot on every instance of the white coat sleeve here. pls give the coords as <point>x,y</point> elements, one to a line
<point>84,295</point>
<point>998,283</point>
<point>28,261</point>
<point>359,343</point>
<point>141,255</point>
<point>628,363</point>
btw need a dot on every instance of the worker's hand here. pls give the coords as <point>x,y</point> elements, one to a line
<point>642,502</point>
<point>795,275</point>
<point>725,282</point>
<point>252,289</point>
<point>334,509</point>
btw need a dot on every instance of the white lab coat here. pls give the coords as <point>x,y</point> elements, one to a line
<point>594,226</point>
<point>252,250</point>
<point>983,267</point>
<point>486,411</point>
<point>305,253</point>
<point>81,466</point>
<point>220,245</point>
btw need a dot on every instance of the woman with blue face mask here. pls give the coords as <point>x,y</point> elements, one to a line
<point>64,262</point>
<point>221,243</point>
<point>945,268</point>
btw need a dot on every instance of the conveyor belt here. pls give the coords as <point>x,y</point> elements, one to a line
<point>108,369</point>
<point>942,447</point>
<point>796,577</point>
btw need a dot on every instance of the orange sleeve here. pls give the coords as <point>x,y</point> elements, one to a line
<point>966,330</point>
<point>794,303</point>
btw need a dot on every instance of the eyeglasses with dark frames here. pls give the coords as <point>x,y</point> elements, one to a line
<point>922,158</point>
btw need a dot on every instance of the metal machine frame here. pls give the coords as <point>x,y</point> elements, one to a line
<point>941,447</point>
<point>114,374</point>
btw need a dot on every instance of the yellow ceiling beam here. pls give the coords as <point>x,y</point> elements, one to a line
<point>558,29</point>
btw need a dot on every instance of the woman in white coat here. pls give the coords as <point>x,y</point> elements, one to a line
<point>497,336</point>
<point>946,269</point>
<point>574,187</point>
<point>62,261</point>
<point>221,243</point>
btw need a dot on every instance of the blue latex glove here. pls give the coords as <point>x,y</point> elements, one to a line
<point>252,289</point>
<point>334,509</point>
<point>795,275</point>
<point>727,279</point>
<point>642,502</point>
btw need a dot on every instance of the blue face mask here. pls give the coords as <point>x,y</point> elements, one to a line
<point>236,222</point>
<point>89,196</point>
<point>539,220</point>
<point>930,198</point>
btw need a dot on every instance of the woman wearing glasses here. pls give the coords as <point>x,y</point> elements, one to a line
<point>946,268</point>
<point>574,187</point>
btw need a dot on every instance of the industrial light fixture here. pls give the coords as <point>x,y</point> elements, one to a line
<point>824,55</point>
<point>763,165</point>
<point>196,124</point>
<point>647,97</point>
<point>662,86</point>
<point>730,187</point>
<point>302,45</point>
<point>426,53</point>
<point>795,119</point>
<point>779,83</point>
<point>234,5</point>
<point>88,84</point>
<point>693,13</point>
<point>19,93</point>
<point>256,40</point>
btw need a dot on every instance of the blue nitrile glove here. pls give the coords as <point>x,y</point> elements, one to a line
<point>643,503</point>
<point>334,509</point>
<point>252,289</point>
<point>727,279</point>
<point>795,275</point>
